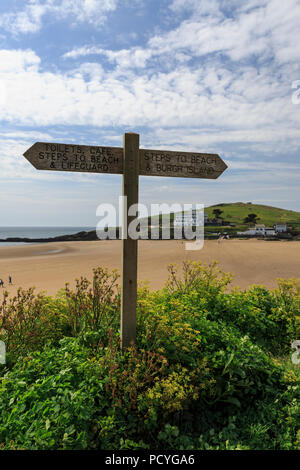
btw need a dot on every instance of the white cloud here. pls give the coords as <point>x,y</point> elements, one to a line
<point>198,8</point>
<point>187,102</point>
<point>257,104</point>
<point>3,94</point>
<point>125,58</point>
<point>92,11</point>
<point>30,19</point>
<point>16,61</point>
<point>195,87</point>
<point>265,29</point>
<point>83,51</point>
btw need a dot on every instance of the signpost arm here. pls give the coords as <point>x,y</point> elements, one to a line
<point>130,246</point>
<point>131,161</point>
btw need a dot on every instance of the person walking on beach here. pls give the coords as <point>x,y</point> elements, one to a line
<point>10,280</point>
<point>1,283</point>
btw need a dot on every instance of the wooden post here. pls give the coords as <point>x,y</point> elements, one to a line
<point>130,247</point>
<point>129,161</point>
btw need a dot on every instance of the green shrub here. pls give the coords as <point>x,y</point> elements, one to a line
<point>28,321</point>
<point>201,375</point>
<point>47,400</point>
<point>270,318</point>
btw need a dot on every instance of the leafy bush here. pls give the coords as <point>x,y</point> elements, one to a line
<point>200,376</point>
<point>93,307</point>
<point>29,321</point>
<point>270,318</point>
<point>47,399</point>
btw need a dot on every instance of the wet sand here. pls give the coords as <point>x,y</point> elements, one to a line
<point>49,266</point>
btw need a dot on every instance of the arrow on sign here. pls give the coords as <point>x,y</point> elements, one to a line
<point>82,158</point>
<point>181,164</point>
<point>94,159</point>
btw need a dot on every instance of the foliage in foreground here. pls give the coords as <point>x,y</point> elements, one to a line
<point>203,373</point>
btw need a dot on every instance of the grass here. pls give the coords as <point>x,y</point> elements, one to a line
<point>268,215</point>
<point>236,213</point>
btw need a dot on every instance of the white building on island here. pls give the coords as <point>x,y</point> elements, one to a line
<point>280,227</point>
<point>262,230</point>
<point>270,232</point>
<point>257,230</point>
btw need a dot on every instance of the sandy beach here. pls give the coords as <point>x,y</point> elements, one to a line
<point>49,266</point>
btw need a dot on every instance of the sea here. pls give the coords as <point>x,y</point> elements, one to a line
<point>37,232</point>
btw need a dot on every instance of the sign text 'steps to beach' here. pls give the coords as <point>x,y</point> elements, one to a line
<point>130,161</point>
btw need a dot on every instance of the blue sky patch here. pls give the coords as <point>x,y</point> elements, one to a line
<point>208,76</point>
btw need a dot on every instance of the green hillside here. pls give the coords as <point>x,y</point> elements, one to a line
<point>236,212</point>
<point>268,215</point>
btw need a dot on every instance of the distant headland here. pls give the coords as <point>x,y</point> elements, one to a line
<point>234,219</point>
<point>80,236</point>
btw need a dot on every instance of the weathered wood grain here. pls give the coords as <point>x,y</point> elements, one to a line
<point>130,246</point>
<point>93,159</point>
<point>180,164</point>
<point>79,158</point>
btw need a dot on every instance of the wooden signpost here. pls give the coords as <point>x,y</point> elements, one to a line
<point>130,161</point>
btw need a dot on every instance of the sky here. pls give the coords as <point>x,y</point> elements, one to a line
<point>215,76</point>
